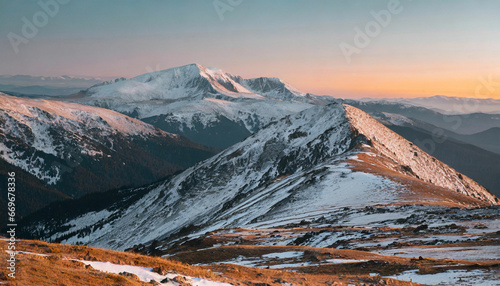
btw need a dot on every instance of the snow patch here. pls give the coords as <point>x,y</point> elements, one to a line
<point>146,274</point>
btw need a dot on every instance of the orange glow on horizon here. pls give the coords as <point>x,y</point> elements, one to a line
<point>398,86</point>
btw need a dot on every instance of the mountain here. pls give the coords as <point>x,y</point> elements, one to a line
<point>215,108</point>
<point>54,81</point>
<point>488,139</point>
<point>78,149</point>
<point>477,163</point>
<point>44,86</point>
<point>37,91</point>
<point>464,124</point>
<point>447,104</point>
<point>207,105</point>
<point>451,148</point>
<point>33,194</point>
<point>303,166</point>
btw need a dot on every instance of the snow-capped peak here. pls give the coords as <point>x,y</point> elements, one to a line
<point>193,80</point>
<point>185,82</point>
<point>199,102</point>
<point>225,83</point>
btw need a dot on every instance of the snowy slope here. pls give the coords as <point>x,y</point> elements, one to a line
<point>473,160</point>
<point>147,275</point>
<point>293,169</point>
<point>195,99</point>
<point>108,121</point>
<point>405,153</point>
<point>56,141</point>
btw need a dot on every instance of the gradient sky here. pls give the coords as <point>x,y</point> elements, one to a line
<point>430,47</point>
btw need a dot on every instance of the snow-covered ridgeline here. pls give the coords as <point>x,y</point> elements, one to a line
<point>293,169</point>
<point>403,152</point>
<point>62,130</point>
<point>295,143</point>
<point>71,115</point>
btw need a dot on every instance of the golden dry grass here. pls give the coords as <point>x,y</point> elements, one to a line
<point>57,270</point>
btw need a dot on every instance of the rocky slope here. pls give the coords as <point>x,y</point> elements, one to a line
<point>303,166</point>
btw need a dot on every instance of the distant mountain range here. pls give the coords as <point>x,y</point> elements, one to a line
<point>465,124</point>
<point>487,140</point>
<point>42,86</point>
<point>447,104</point>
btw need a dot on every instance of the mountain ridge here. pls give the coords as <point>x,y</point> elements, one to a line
<point>450,105</point>
<point>79,149</point>
<point>298,167</point>
<point>201,102</point>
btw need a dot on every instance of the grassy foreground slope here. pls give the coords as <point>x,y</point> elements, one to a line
<point>41,263</point>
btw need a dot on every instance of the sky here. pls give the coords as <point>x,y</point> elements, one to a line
<point>381,48</point>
